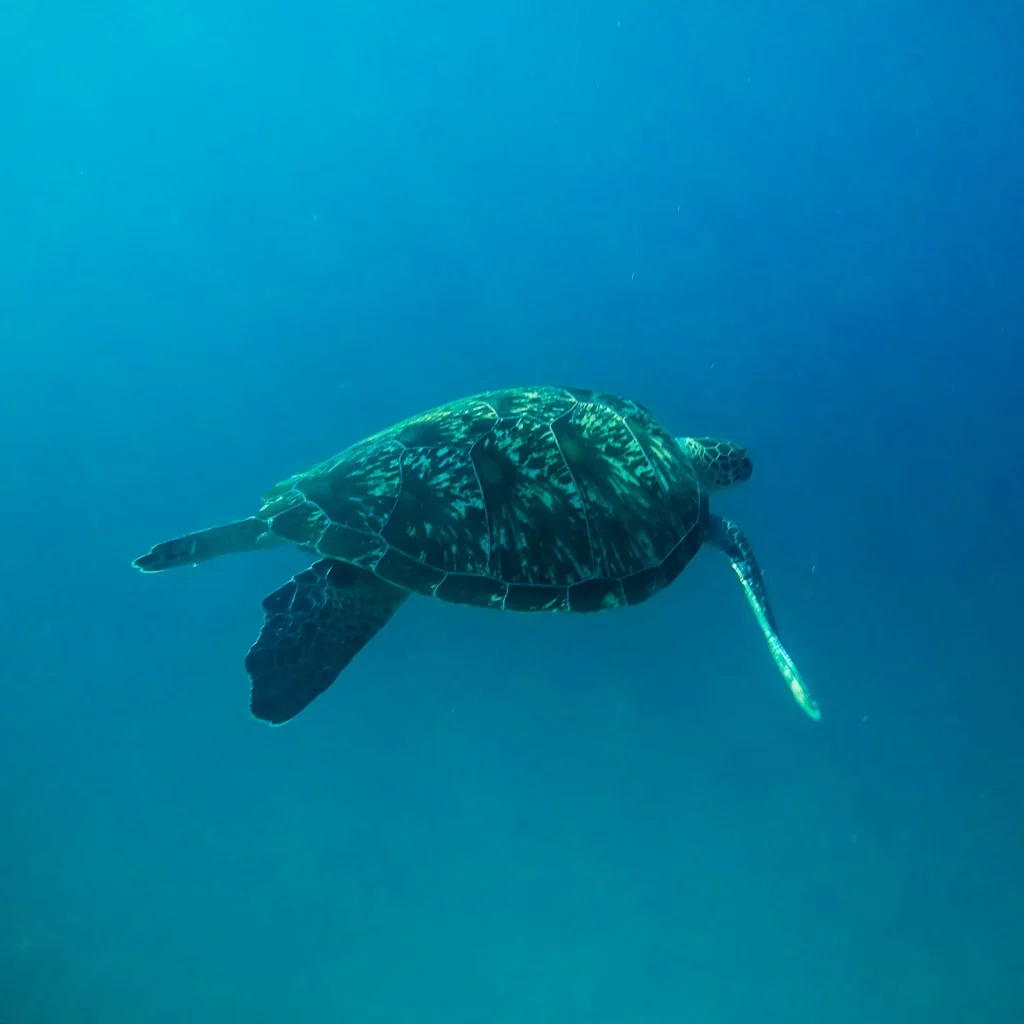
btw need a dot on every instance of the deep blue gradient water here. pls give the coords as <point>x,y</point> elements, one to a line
<point>240,236</point>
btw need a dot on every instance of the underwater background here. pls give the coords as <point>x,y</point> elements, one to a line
<point>237,237</point>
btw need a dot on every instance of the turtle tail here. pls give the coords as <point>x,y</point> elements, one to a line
<point>729,538</point>
<point>245,535</point>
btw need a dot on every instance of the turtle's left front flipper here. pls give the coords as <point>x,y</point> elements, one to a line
<point>730,538</point>
<point>315,625</point>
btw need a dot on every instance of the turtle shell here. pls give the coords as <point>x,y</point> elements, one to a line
<point>527,499</point>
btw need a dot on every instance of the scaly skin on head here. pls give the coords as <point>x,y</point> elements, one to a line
<point>718,463</point>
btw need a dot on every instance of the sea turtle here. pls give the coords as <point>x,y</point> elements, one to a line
<point>539,499</point>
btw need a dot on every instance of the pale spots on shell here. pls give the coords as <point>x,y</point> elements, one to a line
<point>420,489</point>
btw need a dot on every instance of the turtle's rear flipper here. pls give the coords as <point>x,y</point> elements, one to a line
<point>232,538</point>
<point>315,625</point>
<point>731,539</point>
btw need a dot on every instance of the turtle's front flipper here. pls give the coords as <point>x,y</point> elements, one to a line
<point>731,539</point>
<point>232,538</point>
<point>315,625</point>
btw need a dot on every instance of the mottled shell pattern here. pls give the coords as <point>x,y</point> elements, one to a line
<point>526,499</point>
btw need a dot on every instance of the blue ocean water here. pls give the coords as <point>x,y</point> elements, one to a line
<point>238,237</point>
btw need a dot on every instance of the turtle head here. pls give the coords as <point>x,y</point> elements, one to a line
<point>718,463</point>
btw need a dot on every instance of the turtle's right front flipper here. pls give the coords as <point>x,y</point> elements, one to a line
<point>232,538</point>
<point>315,625</point>
<point>730,539</point>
